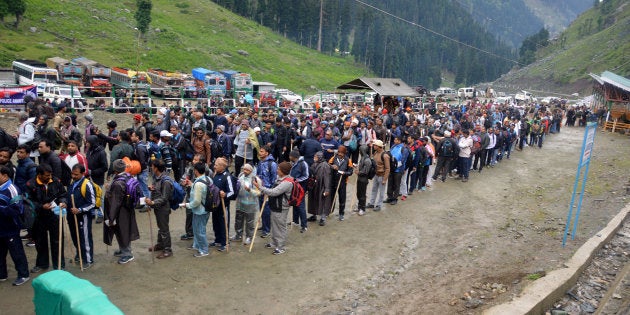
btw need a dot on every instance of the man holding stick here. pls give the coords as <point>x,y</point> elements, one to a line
<point>47,194</point>
<point>223,180</point>
<point>81,193</point>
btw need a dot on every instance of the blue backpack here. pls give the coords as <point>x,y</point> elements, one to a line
<point>178,194</point>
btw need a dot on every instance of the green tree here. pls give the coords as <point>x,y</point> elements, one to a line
<point>143,15</point>
<point>16,7</point>
<point>4,10</point>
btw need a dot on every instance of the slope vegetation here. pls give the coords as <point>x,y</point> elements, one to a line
<point>596,41</point>
<point>184,34</point>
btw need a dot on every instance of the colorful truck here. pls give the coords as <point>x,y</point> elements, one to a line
<point>127,80</point>
<point>95,77</point>
<point>238,83</point>
<point>165,83</point>
<point>68,73</point>
<point>212,83</point>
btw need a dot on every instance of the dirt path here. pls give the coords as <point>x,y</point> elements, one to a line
<point>421,256</point>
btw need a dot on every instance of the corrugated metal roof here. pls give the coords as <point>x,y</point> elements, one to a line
<point>613,79</point>
<point>383,86</point>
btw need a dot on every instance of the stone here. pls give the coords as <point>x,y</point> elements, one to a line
<point>242,52</point>
<point>473,303</point>
<point>33,29</point>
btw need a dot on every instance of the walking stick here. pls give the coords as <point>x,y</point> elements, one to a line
<point>335,193</point>
<point>227,240</point>
<point>251,245</point>
<point>151,236</point>
<point>354,196</point>
<point>60,239</point>
<point>76,228</point>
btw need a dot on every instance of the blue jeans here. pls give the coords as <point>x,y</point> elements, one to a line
<point>464,166</point>
<point>200,242</point>
<point>266,219</point>
<point>13,245</point>
<point>143,178</point>
<point>299,213</point>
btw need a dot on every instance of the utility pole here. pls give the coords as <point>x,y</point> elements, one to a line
<point>321,22</point>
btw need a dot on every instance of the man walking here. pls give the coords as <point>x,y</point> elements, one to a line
<point>10,241</point>
<point>161,191</point>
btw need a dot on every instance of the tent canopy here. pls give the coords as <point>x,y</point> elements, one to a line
<point>382,86</point>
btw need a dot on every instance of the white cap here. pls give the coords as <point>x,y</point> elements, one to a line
<point>165,133</point>
<point>256,129</point>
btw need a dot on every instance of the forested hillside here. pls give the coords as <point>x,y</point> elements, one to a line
<point>402,44</point>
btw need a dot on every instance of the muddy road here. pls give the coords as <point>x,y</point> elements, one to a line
<point>458,248</point>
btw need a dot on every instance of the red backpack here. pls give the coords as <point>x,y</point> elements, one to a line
<point>297,193</point>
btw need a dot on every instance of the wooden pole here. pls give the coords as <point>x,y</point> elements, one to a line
<point>335,193</point>
<point>76,228</point>
<point>227,240</point>
<point>354,196</point>
<point>60,238</point>
<point>251,245</point>
<point>151,236</point>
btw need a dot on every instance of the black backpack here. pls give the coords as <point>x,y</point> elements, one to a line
<point>372,172</point>
<point>447,149</point>
<point>216,149</point>
<point>66,174</point>
<point>213,199</point>
<point>393,162</point>
<point>7,140</point>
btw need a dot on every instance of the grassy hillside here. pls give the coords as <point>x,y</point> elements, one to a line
<point>596,41</point>
<point>184,34</point>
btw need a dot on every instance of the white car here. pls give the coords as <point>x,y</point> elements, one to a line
<point>287,95</point>
<point>62,92</point>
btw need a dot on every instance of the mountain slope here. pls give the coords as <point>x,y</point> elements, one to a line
<point>183,35</point>
<point>596,41</point>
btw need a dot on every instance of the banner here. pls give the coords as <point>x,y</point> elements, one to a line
<point>15,95</point>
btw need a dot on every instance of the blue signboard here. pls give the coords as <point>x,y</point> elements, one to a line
<point>12,96</point>
<point>585,161</point>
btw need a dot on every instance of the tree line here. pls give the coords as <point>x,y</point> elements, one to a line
<point>385,45</point>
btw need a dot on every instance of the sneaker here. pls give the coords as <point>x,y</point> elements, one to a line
<point>265,235</point>
<point>393,202</point>
<point>424,188</point>
<point>221,248</point>
<point>403,198</point>
<point>369,206</point>
<point>377,208</point>
<point>410,193</point>
<point>190,248</point>
<point>37,269</point>
<point>20,281</point>
<point>3,279</point>
<point>341,217</point>
<point>322,222</point>
<point>186,237</point>
<point>247,241</point>
<point>302,230</point>
<point>118,253</point>
<point>361,212</point>
<point>87,266</point>
<point>99,220</point>
<point>269,245</point>
<point>125,259</point>
<point>278,251</point>
<point>312,218</point>
<point>464,180</point>
<point>31,243</point>
<point>237,238</point>
<point>200,254</point>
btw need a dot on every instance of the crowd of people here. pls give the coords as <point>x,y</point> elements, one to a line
<point>247,160</point>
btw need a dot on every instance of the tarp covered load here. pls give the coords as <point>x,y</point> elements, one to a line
<point>59,292</point>
<point>382,86</point>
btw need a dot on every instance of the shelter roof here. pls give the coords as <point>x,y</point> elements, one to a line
<point>383,86</point>
<point>613,79</point>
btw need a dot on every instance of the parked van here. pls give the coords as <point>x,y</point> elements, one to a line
<point>466,92</point>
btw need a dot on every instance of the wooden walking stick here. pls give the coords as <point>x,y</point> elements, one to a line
<point>251,245</point>
<point>227,240</point>
<point>354,196</point>
<point>76,228</point>
<point>151,236</point>
<point>335,193</point>
<point>60,238</point>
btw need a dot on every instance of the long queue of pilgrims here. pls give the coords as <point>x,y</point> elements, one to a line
<point>243,161</point>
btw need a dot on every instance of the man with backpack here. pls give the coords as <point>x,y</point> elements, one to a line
<point>267,172</point>
<point>382,174</point>
<point>299,172</point>
<point>397,167</point>
<point>121,150</point>
<point>10,212</point>
<point>279,198</point>
<point>120,216</point>
<point>447,152</point>
<point>198,204</point>
<point>141,154</point>
<point>161,192</point>
<point>82,197</point>
<point>365,172</point>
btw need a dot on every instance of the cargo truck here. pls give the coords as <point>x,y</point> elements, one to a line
<point>95,76</point>
<point>69,73</point>
<point>212,83</point>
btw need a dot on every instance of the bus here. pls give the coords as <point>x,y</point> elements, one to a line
<point>130,80</point>
<point>31,72</point>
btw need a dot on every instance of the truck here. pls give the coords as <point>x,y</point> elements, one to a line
<point>165,83</point>
<point>127,80</point>
<point>212,83</point>
<point>95,77</point>
<point>238,83</point>
<point>68,73</point>
<point>525,96</point>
